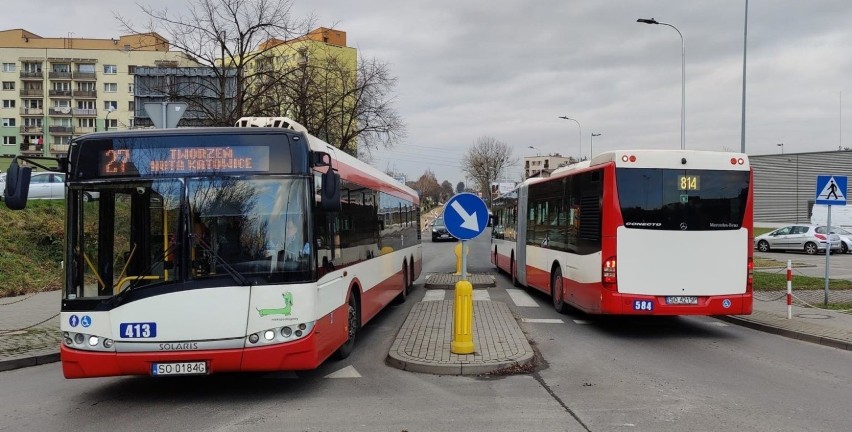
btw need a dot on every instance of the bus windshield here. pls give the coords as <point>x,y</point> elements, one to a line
<point>239,230</point>
<point>685,200</point>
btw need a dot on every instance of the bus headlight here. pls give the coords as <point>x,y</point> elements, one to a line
<point>93,341</point>
<point>281,334</point>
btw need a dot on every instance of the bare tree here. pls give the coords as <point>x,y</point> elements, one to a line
<point>259,68</point>
<point>459,187</point>
<point>226,36</point>
<point>486,161</point>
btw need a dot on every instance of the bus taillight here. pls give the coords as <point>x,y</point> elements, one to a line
<point>609,273</point>
<point>750,275</point>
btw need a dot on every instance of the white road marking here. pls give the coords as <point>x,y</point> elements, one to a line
<point>434,295</point>
<point>581,322</point>
<point>347,372</point>
<point>521,298</point>
<point>542,320</point>
<point>481,294</point>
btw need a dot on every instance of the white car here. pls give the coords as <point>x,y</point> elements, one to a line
<point>805,238</point>
<point>845,237</point>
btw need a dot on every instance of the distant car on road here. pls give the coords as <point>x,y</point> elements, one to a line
<point>805,238</point>
<point>845,237</point>
<point>439,230</point>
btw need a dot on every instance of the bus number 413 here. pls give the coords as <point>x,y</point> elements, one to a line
<point>138,330</point>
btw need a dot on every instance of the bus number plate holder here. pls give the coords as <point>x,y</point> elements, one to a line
<point>682,300</point>
<point>181,368</point>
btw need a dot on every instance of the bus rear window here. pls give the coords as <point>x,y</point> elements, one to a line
<point>685,200</point>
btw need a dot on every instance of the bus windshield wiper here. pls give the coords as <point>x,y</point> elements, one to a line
<point>238,277</point>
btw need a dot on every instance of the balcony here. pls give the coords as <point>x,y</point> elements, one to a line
<point>59,75</point>
<point>85,112</point>
<point>32,92</point>
<point>32,130</point>
<point>61,130</point>
<point>28,75</point>
<point>84,130</point>
<point>84,76</point>
<point>31,148</point>
<point>32,111</point>
<point>60,112</point>
<point>86,94</point>
<point>59,148</point>
<point>59,93</point>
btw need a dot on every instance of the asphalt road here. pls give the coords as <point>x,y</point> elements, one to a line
<point>595,374</point>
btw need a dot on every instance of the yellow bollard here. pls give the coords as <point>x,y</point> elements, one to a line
<point>458,253</point>
<point>463,319</point>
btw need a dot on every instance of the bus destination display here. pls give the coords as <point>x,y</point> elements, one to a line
<point>183,160</point>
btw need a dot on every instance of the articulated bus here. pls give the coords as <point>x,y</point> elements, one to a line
<point>653,232</point>
<point>206,250</point>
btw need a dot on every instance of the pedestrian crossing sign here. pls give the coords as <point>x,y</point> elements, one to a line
<point>831,190</point>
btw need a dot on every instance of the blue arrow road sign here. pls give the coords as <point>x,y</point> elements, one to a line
<point>466,216</point>
<point>831,190</point>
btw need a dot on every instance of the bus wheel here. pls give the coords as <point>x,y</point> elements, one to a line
<point>354,325</point>
<point>400,298</point>
<point>513,270</point>
<point>556,293</point>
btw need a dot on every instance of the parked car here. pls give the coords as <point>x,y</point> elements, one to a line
<point>845,237</point>
<point>797,237</point>
<point>47,185</point>
<point>439,231</point>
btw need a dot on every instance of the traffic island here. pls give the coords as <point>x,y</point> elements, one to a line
<point>448,280</point>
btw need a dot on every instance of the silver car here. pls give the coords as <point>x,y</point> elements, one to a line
<point>797,237</point>
<point>845,237</point>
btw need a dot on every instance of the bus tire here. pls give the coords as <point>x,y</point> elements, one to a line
<point>403,295</point>
<point>557,295</point>
<point>354,325</point>
<point>513,271</point>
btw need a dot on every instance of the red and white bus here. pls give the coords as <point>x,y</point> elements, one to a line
<point>654,232</point>
<point>213,250</point>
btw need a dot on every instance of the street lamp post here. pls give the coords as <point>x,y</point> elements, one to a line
<point>538,152</point>
<point>579,137</point>
<point>592,144</point>
<point>745,45</point>
<point>682,78</point>
<point>782,147</point>
<point>106,120</point>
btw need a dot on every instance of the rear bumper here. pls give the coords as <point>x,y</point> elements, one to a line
<point>626,304</point>
<point>298,355</point>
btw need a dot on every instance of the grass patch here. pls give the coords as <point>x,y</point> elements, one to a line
<point>760,231</point>
<point>778,282</point>
<point>31,247</point>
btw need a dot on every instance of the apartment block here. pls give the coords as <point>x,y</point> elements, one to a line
<point>56,88</point>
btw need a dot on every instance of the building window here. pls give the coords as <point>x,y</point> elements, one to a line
<point>8,103</point>
<point>8,122</point>
<point>8,85</point>
<point>131,106</point>
<point>110,105</point>
<point>86,68</point>
<point>130,88</point>
<point>131,69</point>
<point>110,69</point>
<point>110,87</point>
<point>112,124</point>
<point>8,67</point>
<point>86,123</point>
<point>10,140</point>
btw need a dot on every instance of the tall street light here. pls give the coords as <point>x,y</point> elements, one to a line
<point>579,137</point>
<point>592,144</point>
<point>682,78</point>
<point>538,152</point>
<point>109,111</point>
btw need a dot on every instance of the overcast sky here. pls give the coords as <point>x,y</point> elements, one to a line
<point>508,69</point>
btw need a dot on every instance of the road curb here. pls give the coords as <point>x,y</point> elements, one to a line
<point>22,362</point>
<point>792,334</point>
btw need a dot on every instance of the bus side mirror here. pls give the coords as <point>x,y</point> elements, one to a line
<point>17,186</point>
<point>330,193</point>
